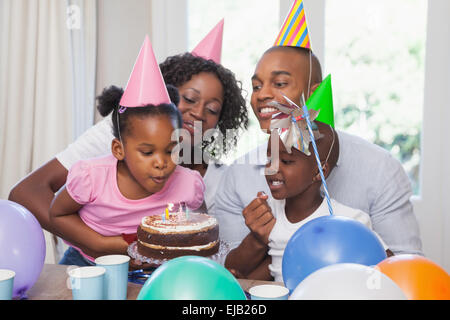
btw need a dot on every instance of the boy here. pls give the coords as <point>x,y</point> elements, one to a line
<point>297,199</point>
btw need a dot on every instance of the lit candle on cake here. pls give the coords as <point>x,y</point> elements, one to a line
<point>185,209</point>
<point>169,208</point>
<point>180,211</point>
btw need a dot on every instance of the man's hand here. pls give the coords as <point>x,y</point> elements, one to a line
<point>259,218</point>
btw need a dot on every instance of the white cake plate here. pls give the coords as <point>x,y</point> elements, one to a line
<point>218,257</point>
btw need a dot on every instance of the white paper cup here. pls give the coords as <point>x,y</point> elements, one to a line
<point>269,292</point>
<point>116,277</point>
<point>87,283</point>
<point>6,284</point>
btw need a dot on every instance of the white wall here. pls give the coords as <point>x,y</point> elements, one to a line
<point>315,14</point>
<point>122,26</point>
<point>169,26</point>
<point>432,207</point>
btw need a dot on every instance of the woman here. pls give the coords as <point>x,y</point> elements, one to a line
<point>209,93</point>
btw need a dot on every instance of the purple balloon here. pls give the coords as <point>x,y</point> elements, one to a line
<point>22,245</point>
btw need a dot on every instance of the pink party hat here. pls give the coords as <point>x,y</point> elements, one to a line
<point>211,46</point>
<point>294,32</point>
<point>146,84</point>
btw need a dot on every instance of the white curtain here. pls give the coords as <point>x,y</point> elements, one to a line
<point>82,24</point>
<point>47,83</point>
<point>35,88</point>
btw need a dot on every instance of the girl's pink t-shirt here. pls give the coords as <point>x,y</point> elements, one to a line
<point>93,184</point>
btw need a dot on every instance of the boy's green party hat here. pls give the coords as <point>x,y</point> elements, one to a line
<point>322,99</point>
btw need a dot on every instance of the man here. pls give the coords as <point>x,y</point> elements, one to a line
<point>366,176</point>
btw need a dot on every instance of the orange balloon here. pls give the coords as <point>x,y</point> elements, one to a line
<point>418,277</point>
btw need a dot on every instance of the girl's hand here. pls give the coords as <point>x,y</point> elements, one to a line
<point>259,218</point>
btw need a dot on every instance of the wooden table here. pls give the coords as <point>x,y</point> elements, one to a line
<point>53,285</point>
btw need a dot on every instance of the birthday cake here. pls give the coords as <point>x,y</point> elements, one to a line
<point>166,238</point>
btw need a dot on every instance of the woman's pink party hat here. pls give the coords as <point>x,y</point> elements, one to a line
<point>211,46</point>
<point>146,84</point>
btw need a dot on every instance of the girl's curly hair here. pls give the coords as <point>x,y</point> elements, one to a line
<point>179,69</point>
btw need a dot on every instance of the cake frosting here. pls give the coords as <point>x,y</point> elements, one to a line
<point>176,236</point>
<point>175,223</point>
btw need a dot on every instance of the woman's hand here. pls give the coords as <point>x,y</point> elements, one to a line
<point>259,218</point>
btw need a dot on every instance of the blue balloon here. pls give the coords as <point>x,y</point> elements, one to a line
<point>325,241</point>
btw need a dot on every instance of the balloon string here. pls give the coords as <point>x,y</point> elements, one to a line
<point>319,165</point>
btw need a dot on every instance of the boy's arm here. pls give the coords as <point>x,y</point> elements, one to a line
<point>69,226</point>
<point>252,251</point>
<point>244,259</point>
<point>262,271</point>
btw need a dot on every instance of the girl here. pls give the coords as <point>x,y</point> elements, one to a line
<point>189,74</point>
<point>113,193</point>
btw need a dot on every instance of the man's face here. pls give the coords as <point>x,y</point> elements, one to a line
<point>277,72</point>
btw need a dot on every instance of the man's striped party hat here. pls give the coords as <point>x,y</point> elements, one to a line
<point>294,32</point>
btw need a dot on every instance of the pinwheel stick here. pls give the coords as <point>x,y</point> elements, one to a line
<point>316,153</point>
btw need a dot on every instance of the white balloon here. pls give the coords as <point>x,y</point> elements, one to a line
<point>347,281</point>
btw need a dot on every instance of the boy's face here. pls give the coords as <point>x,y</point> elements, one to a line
<point>278,71</point>
<point>295,172</point>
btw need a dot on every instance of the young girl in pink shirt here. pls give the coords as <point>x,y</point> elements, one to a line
<point>111,194</point>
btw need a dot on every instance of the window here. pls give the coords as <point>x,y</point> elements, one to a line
<point>250,28</point>
<point>375,52</point>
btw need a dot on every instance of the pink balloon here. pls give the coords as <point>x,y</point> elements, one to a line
<point>22,245</point>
